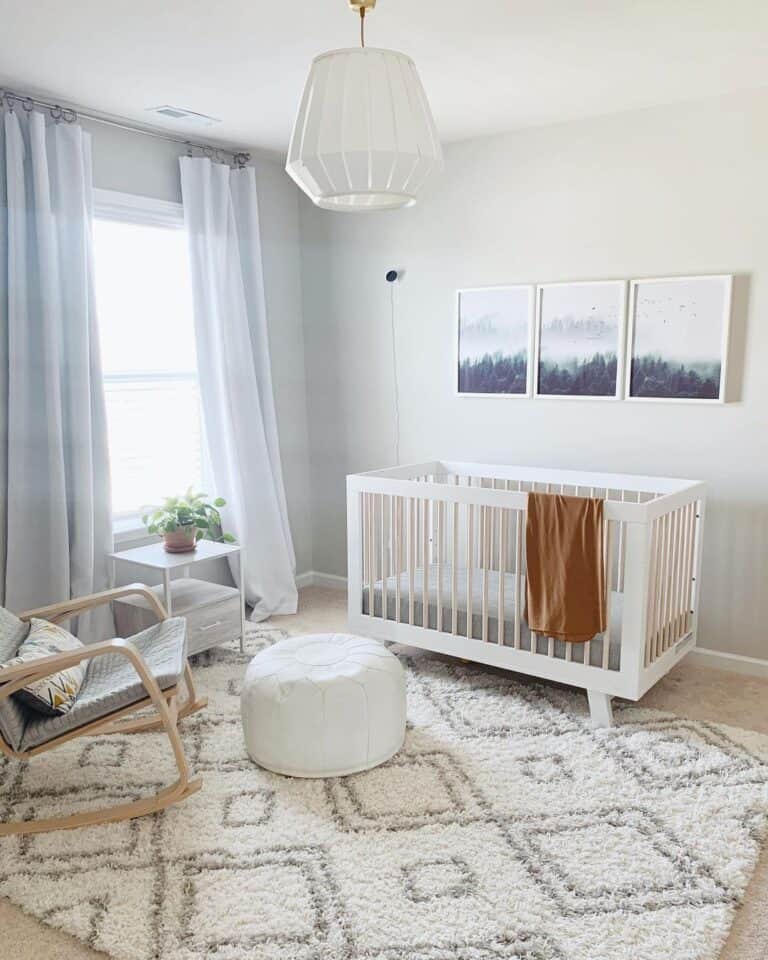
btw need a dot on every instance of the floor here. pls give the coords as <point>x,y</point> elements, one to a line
<point>690,690</point>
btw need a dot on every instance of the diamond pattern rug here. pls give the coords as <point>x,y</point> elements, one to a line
<point>506,829</point>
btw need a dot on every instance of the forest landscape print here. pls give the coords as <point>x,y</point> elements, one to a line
<point>679,332</point>
<point>579,338</point>
<point>494,338</point>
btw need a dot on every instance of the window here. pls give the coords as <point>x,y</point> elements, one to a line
<point>146,327</point>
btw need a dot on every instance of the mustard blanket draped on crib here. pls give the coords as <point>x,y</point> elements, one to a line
<point>566,585</point>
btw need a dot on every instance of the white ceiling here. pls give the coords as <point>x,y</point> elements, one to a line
<point>488,66</point>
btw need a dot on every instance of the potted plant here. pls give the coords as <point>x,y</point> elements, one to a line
<point>184,520</point>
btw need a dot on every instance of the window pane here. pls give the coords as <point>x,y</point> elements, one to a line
<point>144,298</point>
<point>146,327</point>
<point>154,440</point>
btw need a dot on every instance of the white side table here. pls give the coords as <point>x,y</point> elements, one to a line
<point>155,557</point>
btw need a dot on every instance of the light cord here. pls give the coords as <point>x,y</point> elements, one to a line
<point>396,383</point>
<point>362,27</point>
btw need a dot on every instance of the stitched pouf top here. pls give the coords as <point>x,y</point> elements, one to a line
<point>323,705</point>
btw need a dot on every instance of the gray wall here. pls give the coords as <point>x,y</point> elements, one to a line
<point>673,190</point>
<point>133,163</point>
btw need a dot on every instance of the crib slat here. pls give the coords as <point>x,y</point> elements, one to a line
<point>683,602</point>
<point>470,563</point>
<point>371,539</point>
<point>661,524</point>
<point>485,546</point>
<point>674,620</point>
<point>519,514</point>
<point>659,588</point>
<point>680,574</point>
<point>678,544</point>
<point>454,568</point>
<point>398,547</point>
<point>609,536</point>
<point>666,543</point>
<point>425,563</point>
<point>670,545</point>
<point>385,498</point>
<point>675,577</point>
<point>684,599</point>
<point>492,528</point>
<point>688,610</point>
<point>669,604</point>
<point>439,507</point>
<point>411,556</point>
<point>651,592</point>
<point>363,538</point>
<point>696,564</point>
<point>500,618</point>
<point>622,551</point>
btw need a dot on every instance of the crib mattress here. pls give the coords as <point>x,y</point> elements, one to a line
<point>542,643</point>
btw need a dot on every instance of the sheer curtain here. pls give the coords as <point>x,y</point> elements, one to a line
<point>55,516</point>
<point>221,214</point>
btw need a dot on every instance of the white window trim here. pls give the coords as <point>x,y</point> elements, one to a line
<point>132,208</point>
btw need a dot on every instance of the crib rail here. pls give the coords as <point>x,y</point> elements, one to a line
<point>437,550</point>
<point>671,595</point>
<point>459,567</point>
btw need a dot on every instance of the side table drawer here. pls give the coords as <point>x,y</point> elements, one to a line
<point>212,612</point>
<point>213,624</point>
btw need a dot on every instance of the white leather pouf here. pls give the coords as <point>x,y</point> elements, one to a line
<point>323,705</point>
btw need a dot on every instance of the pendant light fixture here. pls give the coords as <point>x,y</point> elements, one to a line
<point>364,138</point>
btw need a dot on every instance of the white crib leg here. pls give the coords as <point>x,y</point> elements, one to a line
<point>600,708</point>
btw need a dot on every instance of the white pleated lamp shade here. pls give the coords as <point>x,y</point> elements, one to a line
<point>364,138</point>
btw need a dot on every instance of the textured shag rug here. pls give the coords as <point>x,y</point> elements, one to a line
<point>506,829</point>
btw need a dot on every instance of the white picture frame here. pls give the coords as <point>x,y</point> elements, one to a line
<point>675,305</point>
<point>608,296</point>
<point>490,299</point>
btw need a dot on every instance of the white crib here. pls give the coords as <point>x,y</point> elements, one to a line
<point>436,559</point>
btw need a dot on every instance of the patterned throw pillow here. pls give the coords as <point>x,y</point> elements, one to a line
<point>55,694</point>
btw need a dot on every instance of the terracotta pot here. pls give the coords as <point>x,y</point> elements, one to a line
<point>182,540</point>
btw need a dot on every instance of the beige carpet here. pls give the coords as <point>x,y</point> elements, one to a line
<point>690,691</point>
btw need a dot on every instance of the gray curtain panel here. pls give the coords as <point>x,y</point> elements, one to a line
<point>221,215</point>
<point>55,514</point>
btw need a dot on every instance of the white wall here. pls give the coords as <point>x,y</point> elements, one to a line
<point>134,163</point>
<point>672,190</point>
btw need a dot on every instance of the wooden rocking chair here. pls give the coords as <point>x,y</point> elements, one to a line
<point>123,677</point>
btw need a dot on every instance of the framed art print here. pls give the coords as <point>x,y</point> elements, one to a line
<point>493,339</point>
<point>579,339</point>
<point>678,338</point>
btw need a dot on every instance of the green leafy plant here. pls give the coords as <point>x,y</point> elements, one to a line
<point>190,513</point>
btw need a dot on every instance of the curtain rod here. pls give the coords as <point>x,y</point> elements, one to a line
<point>70,115</point>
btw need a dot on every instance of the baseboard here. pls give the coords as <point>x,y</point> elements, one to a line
<point>313,578</point>
<point>733,662</point>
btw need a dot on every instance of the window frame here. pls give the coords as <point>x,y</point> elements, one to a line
<point>146,211</point>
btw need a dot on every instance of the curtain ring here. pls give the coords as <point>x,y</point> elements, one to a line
<point>241,159</point>
<point>68,115</point>
<point>28,104</point>
<point>56,113</point>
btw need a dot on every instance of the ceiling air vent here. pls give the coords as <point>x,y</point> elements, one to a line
<point>187,116</point>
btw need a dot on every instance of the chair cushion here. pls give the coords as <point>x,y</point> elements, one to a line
<point>57,692</point>
<point>13,715</point>
<point>111,682</point>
